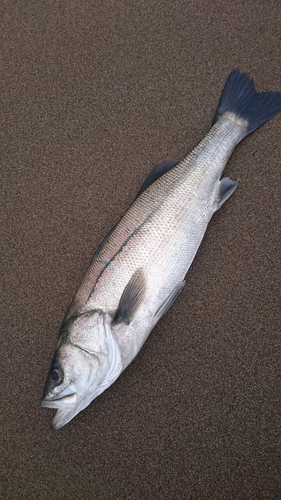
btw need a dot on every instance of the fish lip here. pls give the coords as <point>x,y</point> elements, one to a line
<point>66,399</point>
<point>67,402</point>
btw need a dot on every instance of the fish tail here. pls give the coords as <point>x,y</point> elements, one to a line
<point>240,97</point>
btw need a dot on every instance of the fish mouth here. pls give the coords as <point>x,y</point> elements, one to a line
<point>66,399</point>
<point>66,405</point>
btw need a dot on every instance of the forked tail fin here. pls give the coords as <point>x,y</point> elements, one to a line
<point>239,96</point>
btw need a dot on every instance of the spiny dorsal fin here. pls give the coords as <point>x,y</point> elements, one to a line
<point>157,172</point>
<point>131,298</point>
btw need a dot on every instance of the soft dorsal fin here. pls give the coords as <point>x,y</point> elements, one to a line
<point>131,298</point>
<point>157,172</point>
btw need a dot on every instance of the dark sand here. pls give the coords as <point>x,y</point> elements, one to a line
<point>94,94</point>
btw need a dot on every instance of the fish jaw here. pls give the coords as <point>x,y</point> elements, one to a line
<point>61,418</point>
<point>66,398</point>
<point>85,374</point>
<point>66,406</point>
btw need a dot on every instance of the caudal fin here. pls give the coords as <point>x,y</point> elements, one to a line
<point>239,96</point>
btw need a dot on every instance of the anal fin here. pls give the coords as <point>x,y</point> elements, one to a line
<point>226,187</point>
<point>131,298</point>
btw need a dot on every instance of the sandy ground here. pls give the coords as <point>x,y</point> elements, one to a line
<point>94,94</point>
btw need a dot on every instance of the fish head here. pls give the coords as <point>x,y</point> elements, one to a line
<point>86,361</point>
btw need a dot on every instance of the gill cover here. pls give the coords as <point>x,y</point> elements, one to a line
<point>86,362</point>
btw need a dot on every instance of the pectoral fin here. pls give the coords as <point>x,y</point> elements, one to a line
<point>131,298</point>
<point>226,187</point>
<point>169,301</point>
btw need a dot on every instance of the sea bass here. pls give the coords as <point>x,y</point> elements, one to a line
<point>138,270</point>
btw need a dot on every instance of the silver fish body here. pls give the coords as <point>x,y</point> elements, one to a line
<point>139,270</point>
<point>159,234</point>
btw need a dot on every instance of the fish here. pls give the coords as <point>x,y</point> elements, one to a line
<point>139,269</point>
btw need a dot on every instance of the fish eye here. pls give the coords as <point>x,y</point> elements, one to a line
<point>56,376</point>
